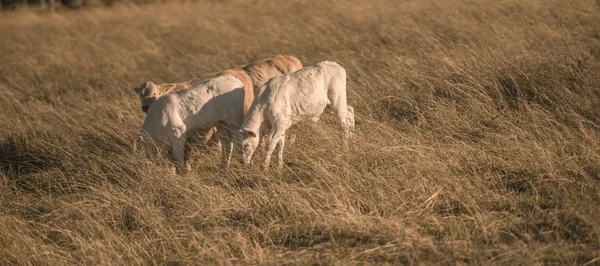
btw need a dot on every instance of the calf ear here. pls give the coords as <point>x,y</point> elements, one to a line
<point>167,89</point>
<point>250,133</point>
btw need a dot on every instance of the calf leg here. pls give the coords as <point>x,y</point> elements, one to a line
<point>280,153</point>
<point>350,121</point>
<point>293,137</point>
<point>213,134</point>
<point>226,151</point>
<point>227,146</point>
<point>217,140</point>
<point>276,136</point>
<point>186,156</point>
<point>178,155</point>
<point>341,114</point>
<point>209,134</point>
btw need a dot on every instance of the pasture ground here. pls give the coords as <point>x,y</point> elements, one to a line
<point>478,128</point>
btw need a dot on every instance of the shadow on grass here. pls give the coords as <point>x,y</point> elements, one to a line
<point>19,157</point>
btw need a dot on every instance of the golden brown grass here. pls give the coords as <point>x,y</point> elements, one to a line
<point>478,129</point>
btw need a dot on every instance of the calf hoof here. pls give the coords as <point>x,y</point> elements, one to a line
<point>223,165</point>
<point>264,167</point>
<point>183,170</point>
<point>292,138</point>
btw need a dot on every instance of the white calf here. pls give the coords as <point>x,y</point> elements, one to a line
<point>293,97</point>
<point>176,117</point>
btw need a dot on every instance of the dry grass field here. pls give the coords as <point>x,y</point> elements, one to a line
<point>478,129</point>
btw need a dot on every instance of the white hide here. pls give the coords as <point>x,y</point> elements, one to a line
<point>293,97</point>
<point>177,116</point>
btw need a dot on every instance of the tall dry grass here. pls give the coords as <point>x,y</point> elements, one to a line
<point>478,128</point>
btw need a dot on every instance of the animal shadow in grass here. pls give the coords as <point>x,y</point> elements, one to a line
<point>19,159</point>
<point>549,225</point>
<point>298,171</point>
<point>399,110</point>
<point>246,181</point>
<point>517,181</point>
<point>243,176</point>
<point>294,171</point>
<point>202,158</point>
<point>302,237</point>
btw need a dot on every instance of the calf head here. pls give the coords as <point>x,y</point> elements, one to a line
<point>247,141</point>
<point>148,93</point>
<point>147,146</point>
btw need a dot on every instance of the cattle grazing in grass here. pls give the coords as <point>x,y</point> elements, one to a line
<point>288,99</point>
<point>252,75</point>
